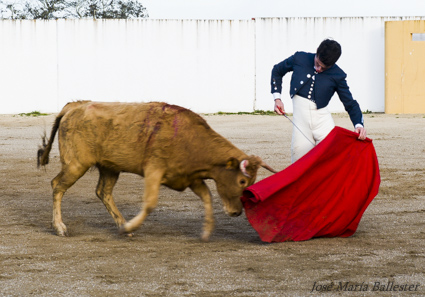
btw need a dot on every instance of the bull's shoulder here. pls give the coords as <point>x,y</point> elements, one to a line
<point>175,110</point>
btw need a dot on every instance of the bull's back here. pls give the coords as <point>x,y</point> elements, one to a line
<point>125,136</point>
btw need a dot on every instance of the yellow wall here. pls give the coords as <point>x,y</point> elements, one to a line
<point>404,67</point>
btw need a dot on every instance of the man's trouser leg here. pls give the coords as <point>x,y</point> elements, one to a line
<point>314,123</point>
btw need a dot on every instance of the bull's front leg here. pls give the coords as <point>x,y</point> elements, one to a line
<point>107,181</point>
<point>150,200</point>
<point>201,189</point>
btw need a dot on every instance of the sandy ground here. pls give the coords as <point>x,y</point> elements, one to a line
<point>166,256</point>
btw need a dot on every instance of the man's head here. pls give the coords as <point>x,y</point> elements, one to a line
<point>327,54</point>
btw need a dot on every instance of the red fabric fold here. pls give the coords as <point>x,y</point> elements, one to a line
<point>323,194</point>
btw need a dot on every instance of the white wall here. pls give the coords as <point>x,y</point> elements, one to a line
<point>204,65</point>
<point>28,67</point>
<point>189,63</point>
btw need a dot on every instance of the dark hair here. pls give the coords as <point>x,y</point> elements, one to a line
<point>329,52</point>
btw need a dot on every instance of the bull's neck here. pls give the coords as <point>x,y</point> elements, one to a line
<point>219,153</point>
<point>212,153</point>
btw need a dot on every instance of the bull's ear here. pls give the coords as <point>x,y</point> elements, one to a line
<point>232,163</point>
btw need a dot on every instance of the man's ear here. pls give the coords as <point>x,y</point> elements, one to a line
<point>232,163</point>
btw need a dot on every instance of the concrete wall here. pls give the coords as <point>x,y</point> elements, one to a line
<point>205,65</point>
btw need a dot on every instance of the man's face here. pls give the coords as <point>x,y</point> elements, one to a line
<point>319,66</point>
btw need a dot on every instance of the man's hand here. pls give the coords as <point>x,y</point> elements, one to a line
<point>278,107</point>
<point>362,132</point>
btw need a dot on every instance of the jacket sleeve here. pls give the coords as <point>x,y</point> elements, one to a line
<point>350,105</point>
<point>278,71</point>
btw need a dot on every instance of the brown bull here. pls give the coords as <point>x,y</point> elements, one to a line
<point>166,144</point>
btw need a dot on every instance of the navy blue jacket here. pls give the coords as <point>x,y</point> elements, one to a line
<point>326,83</point>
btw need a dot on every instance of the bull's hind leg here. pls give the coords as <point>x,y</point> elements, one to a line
<point>153,179</point>
<point>62,182</point>
<point>107,181</point>
<point>201,189</point>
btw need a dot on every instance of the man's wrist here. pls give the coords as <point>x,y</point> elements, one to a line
<point>276,96</point>
<point>358,126</point>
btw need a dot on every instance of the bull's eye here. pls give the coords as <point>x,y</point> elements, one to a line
<point>242,182</point>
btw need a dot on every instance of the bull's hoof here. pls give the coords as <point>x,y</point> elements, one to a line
<point>61,230</point>
<point>123,231</point>
<point>205,236</point>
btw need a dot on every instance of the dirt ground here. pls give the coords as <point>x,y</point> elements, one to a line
<point>166,256</point>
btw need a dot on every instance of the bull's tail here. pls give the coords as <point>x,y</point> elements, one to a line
<point>44,150</point>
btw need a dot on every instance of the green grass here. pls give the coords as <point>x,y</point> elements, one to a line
<point>255,112</point>
<point>267,112</point>
<point>33,114</point>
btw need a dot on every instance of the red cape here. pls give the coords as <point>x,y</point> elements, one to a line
<point>323,194</point>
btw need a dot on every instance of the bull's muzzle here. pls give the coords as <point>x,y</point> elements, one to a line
<point>233,213</point>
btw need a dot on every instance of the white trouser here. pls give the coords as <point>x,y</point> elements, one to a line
<point>314,123</point>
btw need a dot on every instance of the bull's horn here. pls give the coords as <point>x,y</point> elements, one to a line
<point>242,166</point>
<point>264,165</point>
